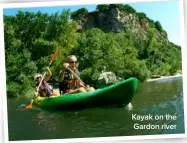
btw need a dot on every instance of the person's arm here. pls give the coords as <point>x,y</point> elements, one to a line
<point>61,75</point>
<point>48,74</point>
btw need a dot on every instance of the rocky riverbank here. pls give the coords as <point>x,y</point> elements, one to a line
<point>165,77</point>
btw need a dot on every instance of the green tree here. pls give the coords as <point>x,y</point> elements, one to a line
<point>158,26</point>
<point>128,9</point>
<point>82,11</point>
<point>119,6</point>
<point>102,7</point>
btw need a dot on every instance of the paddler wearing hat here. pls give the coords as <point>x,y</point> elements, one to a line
<point>45,89</point>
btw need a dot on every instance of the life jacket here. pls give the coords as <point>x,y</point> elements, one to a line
<point>45,89</point>
<point>70,81</point>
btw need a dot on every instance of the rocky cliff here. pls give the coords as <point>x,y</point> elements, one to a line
<point>116,20</point>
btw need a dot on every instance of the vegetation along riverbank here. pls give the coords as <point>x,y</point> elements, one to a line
<point>114,38</point>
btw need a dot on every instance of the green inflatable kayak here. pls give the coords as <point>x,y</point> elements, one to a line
<point>117,94</point>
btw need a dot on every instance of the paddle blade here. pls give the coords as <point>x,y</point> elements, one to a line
<point>54,56</point>
<point>29,106</point>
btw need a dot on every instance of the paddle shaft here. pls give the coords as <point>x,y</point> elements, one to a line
<point>41,81</point>
<point>76,76</point>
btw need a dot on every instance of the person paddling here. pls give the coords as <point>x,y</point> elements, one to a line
<point>69,78</point>
<point>45,90</point>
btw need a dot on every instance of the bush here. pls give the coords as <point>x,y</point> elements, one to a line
<point>90,75</point>
<point>158,26</point>
<point>141,15</point>
<point>82,11</point>
<point>119,6</point>
<point>128,9</point>
<point>102,7</point>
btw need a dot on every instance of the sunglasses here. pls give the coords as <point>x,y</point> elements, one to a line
<point>37,78</point>
<point>72,62</point>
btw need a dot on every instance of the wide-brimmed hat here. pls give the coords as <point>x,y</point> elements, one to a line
<point>37,75</point>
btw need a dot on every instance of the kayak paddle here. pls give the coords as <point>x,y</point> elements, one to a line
<point>76,76</point>
<point>51,60</point>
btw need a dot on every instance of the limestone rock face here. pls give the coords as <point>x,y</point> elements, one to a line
<point>105,79</point>
<point>114,20</point>
<point>109,21</point>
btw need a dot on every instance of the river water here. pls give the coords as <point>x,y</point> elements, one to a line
<point>158,100</point>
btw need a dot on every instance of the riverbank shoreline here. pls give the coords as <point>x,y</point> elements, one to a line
<point>164,77</point>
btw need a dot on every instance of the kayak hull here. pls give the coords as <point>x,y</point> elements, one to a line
<point>117,94</point>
